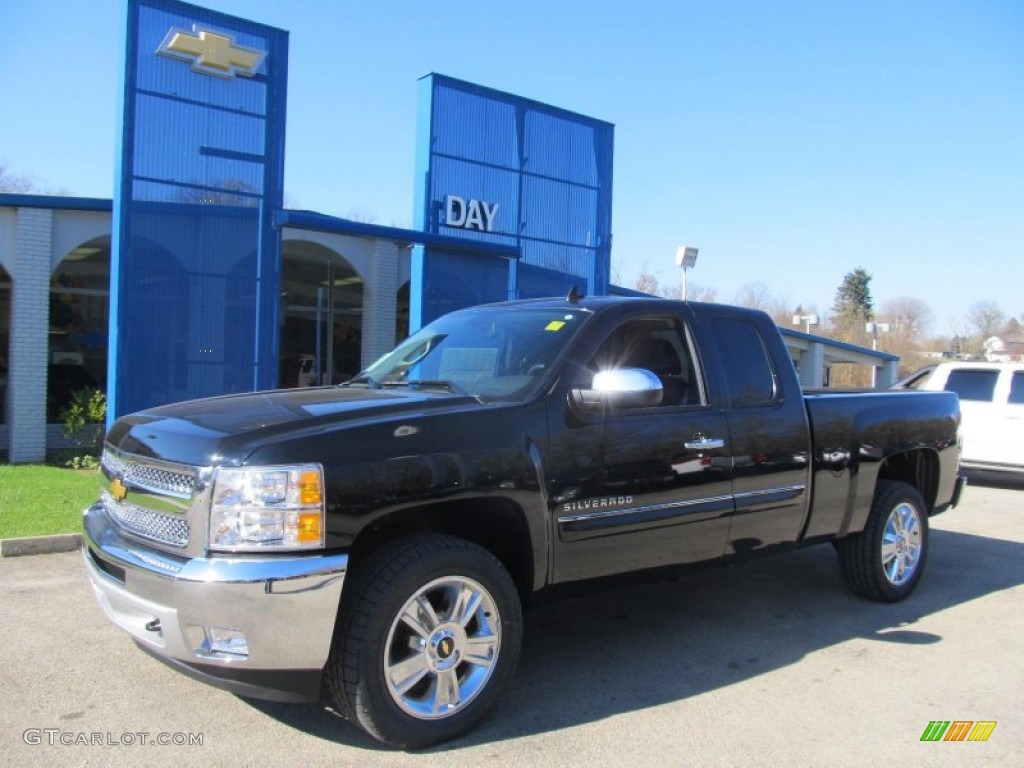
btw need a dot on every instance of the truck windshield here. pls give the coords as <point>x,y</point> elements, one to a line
<point>490,353</point>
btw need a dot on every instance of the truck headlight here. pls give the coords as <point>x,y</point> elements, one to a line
<point>259,509</point>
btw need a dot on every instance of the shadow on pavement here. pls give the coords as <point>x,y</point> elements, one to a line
<point>1002,480</point>
<point>592,657</point>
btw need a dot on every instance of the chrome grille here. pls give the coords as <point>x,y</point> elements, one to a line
<point>166,529</point>
<point>150,477</point>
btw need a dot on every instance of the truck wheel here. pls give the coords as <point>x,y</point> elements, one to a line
<point>885,561</point>
<point>428,636</point>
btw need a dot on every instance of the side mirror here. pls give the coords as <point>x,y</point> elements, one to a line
<point>619,388</point>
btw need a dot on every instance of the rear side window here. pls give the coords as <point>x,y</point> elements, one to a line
<point>976,385</point>
<point>1017,387</point>
<point>918,379</point>
<point>749,375</point>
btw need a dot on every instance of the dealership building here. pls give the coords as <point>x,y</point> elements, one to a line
<point>194,280</point>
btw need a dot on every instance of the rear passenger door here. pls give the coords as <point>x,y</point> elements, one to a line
<point>769,433</point>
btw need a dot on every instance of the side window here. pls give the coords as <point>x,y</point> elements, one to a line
<point>659,345</point>
<point>1017,388</point>
<point>917,379</point>
<point>749,375</point>
<point>973,384</point>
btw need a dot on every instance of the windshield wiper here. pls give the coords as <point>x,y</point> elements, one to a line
<point>366,379</point>
<point>447,384</point>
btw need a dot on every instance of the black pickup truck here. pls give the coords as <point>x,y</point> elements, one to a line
<point>375,541</point>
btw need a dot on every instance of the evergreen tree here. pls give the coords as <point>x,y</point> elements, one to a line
<point>853,306</point>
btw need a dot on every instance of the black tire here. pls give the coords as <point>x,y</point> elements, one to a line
<point>399,611</point>
<point>886,560</point>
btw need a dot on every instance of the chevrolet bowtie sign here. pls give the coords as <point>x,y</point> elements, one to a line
<point>211,53</point>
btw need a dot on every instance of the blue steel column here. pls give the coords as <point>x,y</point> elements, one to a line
<point>124,152</point>
<point>268,329</point>
<point>421,198</point>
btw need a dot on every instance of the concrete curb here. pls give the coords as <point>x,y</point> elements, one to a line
<point>40,545</point>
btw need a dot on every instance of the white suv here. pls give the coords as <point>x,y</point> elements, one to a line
<point>991,406</point>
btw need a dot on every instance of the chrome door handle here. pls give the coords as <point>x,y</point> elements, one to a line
<point>704,443</point>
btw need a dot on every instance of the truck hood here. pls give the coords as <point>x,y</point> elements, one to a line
<point>226,430</point>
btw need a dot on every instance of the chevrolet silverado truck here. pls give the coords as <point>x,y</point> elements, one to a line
<point>373,543</point>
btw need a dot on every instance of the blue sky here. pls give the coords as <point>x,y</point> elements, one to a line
<point>791,141</point>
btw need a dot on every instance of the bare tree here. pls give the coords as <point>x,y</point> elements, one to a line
<point>25,183</point>
<point>361,214</point>
<point>698,292</point>
<point>909,318</point>
<point>987,318</point>
<point>756,296</point>
<point>646,282</point>
<point>909,321</point>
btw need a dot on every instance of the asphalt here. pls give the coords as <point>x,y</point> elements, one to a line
<point>768,663</point>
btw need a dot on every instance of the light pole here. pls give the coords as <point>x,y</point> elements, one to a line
<point>808,321</point>
<point>874,329</point>
<point>685,258</point>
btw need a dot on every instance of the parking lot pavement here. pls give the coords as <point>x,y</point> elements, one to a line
<point>767,663</point>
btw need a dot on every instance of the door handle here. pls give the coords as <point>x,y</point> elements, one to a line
<point>701,443</point>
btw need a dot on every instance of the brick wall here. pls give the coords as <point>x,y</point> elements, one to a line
<point>30,321</point>
<point>380,301</point>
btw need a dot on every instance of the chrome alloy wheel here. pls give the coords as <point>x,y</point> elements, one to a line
<point>442,647</point>
<point>902,543</point>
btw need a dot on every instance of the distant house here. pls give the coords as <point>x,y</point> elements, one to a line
<point>1007,350</point>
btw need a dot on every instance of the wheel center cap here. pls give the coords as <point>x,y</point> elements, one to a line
<point>444,648</point>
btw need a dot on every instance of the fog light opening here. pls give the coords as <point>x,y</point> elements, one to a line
<point>222,643</point>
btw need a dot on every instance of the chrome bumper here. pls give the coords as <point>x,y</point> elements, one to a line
<point>284,606</point>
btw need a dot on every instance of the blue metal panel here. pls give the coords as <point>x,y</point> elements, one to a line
<point>195,267</point>
<point>541,176</point>
<point>457,279</point>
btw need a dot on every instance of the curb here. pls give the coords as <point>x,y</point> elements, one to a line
<point>40,545</point>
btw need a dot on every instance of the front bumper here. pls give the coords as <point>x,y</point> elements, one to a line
<point>285,606</point>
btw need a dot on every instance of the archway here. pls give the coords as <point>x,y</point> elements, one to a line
<point>79,318</point>
<point>321,315</point>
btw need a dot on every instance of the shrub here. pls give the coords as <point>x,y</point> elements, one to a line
<point>83,418</point>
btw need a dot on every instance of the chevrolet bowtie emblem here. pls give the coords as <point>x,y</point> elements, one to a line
<point>118,489</point>
<point>211,53</point>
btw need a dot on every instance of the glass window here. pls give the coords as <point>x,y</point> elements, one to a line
<point>918,379</point>
<point>1017,387</point>
<point>656,344</point>
<point>749,376</point>
<point>493,354</point>
<point>973,384</point>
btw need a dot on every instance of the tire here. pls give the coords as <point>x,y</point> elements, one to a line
<point>428,637</point>
<point>886,560</point>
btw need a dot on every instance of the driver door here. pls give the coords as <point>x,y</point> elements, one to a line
<point>640,486</point>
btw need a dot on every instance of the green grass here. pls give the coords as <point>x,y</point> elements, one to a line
<point>37,500</point>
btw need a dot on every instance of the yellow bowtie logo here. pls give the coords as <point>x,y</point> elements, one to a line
<point>211,53</point>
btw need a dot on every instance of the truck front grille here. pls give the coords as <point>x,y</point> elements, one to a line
<point>149,498</point>
<point>152,478</point>
<point>156,526</point>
